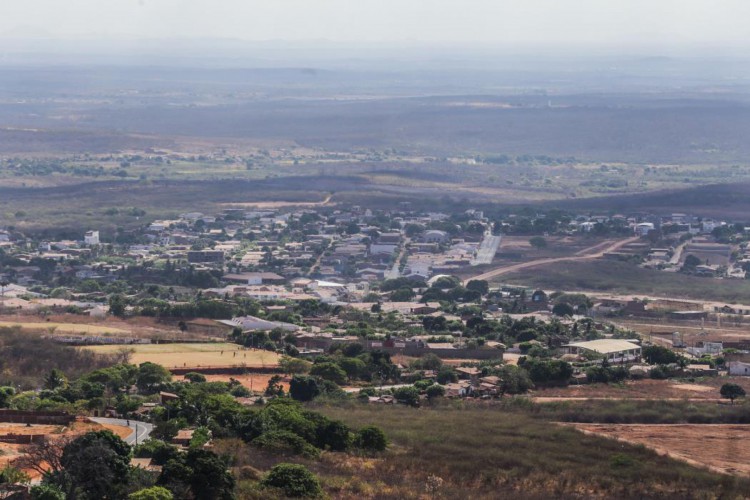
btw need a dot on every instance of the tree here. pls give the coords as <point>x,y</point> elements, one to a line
<point>403,295</point>
<point>55,379</point>
<point>294,366</point>
<point>329,371</point>
<point>435,391</point>
<point>732,391</point>
<point>538,242</point>
<point>659,355</point>
<point>151,377</point>
<point>407,395</point>
<point>294,480</point>
<point>303,388</point>
<point>46,492</point>
<point>274,387</point>
<point>353,367</point>
<point>152,493</point>
<point>371,438</point>
<point>447,375</point>
<point>563,309</point>
<point>480,286</point>
<point>202,473</point>
<point>97,465</point>
<point>117,305</point>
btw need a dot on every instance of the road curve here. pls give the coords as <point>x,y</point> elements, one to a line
<point>614,246</point>
<point>141,430</point>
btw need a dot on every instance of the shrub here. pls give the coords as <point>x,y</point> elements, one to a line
<point>152,493</point>
<point>294,480</point>
<point>435,391</point>
<point>303,388</point>
<point>195,377</point>
<point>46,492</point>
<point>407,395</point>
<point>285,442</point>
<point>371,438</point>
<point>329,371</point>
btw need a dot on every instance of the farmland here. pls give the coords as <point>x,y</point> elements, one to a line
<point>194,355</point>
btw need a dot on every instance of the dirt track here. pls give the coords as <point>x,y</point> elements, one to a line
<point>593,252</point>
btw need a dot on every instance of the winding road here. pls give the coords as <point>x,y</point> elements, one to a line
<point>141,430</point>
<point>593,252</point>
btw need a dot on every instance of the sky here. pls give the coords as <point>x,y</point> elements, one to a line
<point>506,23</point>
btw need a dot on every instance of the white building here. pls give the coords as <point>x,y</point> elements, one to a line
<point>91,238</point>
<point>614,350</point>
<point>644,228</point>
<point>739,368</point>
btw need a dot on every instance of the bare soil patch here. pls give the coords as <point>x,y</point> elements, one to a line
<point>256,382</point>
<point>704,389</point>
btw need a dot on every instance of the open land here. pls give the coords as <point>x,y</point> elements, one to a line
<point>497,454</point>
<point>719,447</point>
<point>195,355</point>
<point>625,278</point>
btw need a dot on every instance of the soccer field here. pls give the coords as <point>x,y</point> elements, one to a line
<point>194,355</point>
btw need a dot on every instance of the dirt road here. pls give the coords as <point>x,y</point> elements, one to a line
<point>593,252</point>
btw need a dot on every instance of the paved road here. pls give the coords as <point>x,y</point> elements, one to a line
<point>141,430</point>
<point>593,252</point>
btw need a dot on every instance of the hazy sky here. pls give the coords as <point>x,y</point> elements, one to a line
<point>497,22</point>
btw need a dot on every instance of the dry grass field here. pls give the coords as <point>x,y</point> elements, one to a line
<point>56,327</point>
<point>718,447</point>
<point>702,389</point>
<point>194,355</point>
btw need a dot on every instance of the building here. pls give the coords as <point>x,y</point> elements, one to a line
<point>91,238</point>
<point>739,368</point>
<point>255,278</point>
<point>202,256</point>
<point>614,350</point>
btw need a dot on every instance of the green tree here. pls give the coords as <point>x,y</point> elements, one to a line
<point>538,242</point>
<point>732,391</point>
<point>151,377</point>
<point>303,388</point>
<point>152,493</point>
<point>294,480</point>
<point>329,371</point>
<point>117,305</point>
<point>403,295</point>
<point>563,309</point>
<point>407,395</point>
<point>96,464</point>
<point>55,379</point>
<point>480,286</point>
<point>46,492</point>
<point>435,391</point>
<point>371,438</point>
<point>294,366</point>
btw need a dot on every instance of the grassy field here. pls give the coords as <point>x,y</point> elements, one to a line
<point>621,277</point>
<point>194,355</point>
<point>484,452</point>
<point>63,327</point>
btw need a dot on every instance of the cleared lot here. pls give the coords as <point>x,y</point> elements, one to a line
<point>194,355</point>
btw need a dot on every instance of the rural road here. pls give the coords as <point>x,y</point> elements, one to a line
<point>141,430</point>
<point>594,252</point>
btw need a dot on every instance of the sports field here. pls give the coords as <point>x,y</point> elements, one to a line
<point>194,355</point>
